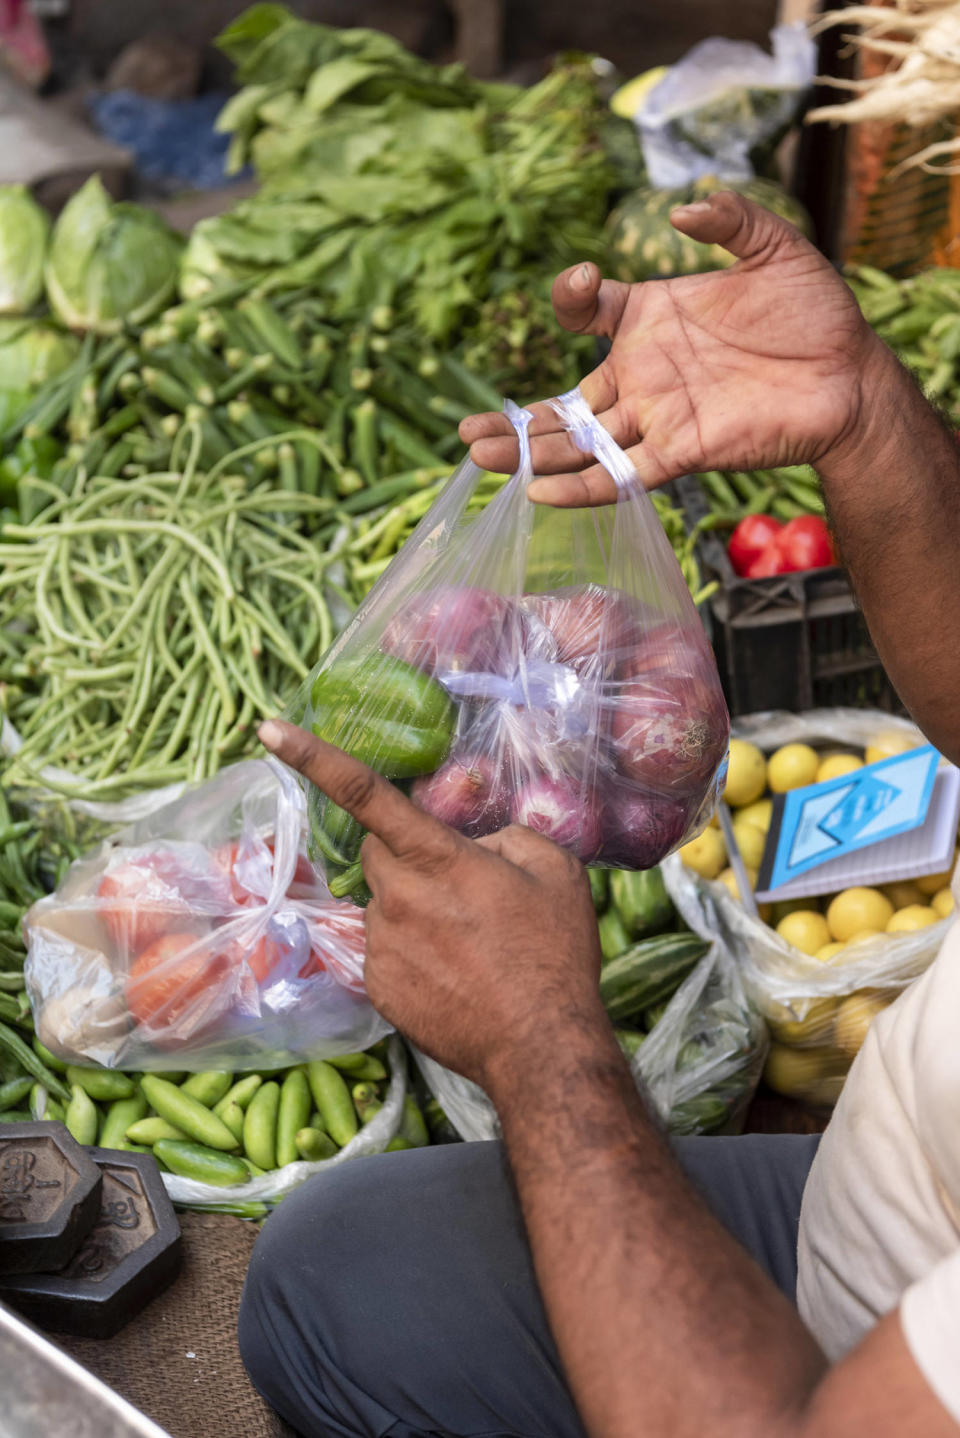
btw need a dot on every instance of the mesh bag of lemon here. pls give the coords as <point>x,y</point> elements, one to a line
<point>819,969</point>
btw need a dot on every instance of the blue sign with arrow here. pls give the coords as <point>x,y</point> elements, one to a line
<point>825,821</point>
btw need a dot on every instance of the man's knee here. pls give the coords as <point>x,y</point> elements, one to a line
<point>332,1265</point>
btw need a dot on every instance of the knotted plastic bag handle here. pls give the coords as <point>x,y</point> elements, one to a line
<point>590,437</point>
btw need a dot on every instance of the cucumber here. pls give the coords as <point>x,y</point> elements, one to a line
<point>205,1165</point>
<point>705,1113</point>
<point>642,901</point>
<point>629,1040</point>
<point>599,888</point>
<point>613,936</point>
<point>648,972</point>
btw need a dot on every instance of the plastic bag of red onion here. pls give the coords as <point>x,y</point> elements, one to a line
<point>586,701</point>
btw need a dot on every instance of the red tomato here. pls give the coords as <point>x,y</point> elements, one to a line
<point>750,538</point>
<point>804,543</point>
<point>768,563</point>
<point>140,900</point>
<point>225,858</point>
<point>166,981</point>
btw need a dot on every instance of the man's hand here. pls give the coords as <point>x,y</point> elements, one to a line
<point>469,942</point>
<point>759,365</point>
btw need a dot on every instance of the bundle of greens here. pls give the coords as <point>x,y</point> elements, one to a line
<point>388,184</point>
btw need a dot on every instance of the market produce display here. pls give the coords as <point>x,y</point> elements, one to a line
<point>919,318</point>
<point>211,452</point>
<point>431,198</point>
<point>825,967</point>
<point>589,710</point>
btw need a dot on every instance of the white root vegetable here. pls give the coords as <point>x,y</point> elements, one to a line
<point>924,35</point>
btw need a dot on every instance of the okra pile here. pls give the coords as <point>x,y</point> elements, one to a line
<point>919,318</point>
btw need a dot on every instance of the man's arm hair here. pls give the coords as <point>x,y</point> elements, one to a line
<point>893,502</point>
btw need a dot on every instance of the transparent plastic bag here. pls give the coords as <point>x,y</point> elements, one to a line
<point>271,1187</point>
<point>532,665</point>
<point>200,937</point>
<point>699,1065</point>
<point>818,1011</point>
<point>721,104</point>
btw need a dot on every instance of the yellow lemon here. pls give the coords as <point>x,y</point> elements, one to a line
<point>828,952</point>
<point>857,909</point>
<point>792,767</point>
<point>813,1028</point>
<point>706,854</point>
<point>759,814</point>
<point>729,879</point>
<point>902,894</point>
<point>714,821</point>
<point>815,1074</point>
<point>886,745</point>
<point>834,766</point>
<point>854,1017</point>
<point>783,907</point>
<point>916,916</point>
<point>931,884</point>
<point>751,842</point>
<point>806,930</point>
<point>746,773</point>
<point>942,901</point>
<point>862,936</point>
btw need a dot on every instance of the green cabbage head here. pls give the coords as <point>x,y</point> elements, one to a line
<point>24,232</point>
<point>109,264</point>
<point>31,353</point>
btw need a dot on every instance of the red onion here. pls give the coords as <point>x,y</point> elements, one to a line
<point>450,628</point>
<point>466,793</point>
<point>591,625</point>
<point>681,650</point>
<point>641,829</point>
<point>557,809</point>
<point>667,741</point>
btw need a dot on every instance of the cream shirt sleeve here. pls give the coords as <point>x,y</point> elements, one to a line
<point>930,1318</point>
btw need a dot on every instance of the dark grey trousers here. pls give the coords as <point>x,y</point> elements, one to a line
<point>396,1295</point>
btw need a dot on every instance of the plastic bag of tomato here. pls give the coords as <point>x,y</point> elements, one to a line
<point>202,938</point>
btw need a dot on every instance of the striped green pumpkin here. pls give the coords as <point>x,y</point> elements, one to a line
<point>643,245</point>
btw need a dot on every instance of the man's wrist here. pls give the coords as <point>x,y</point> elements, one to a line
<point>885,393</point>
<point>568,1037</point>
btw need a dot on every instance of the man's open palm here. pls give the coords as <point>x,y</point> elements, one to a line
<point>745,368</point>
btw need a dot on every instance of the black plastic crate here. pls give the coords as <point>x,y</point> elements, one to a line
<point>794,641</point>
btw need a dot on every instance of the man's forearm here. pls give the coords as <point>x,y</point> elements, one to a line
<point>665,1326</point>
<point>893,494</point>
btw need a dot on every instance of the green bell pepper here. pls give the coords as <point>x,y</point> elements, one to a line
<point>393,717</point>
